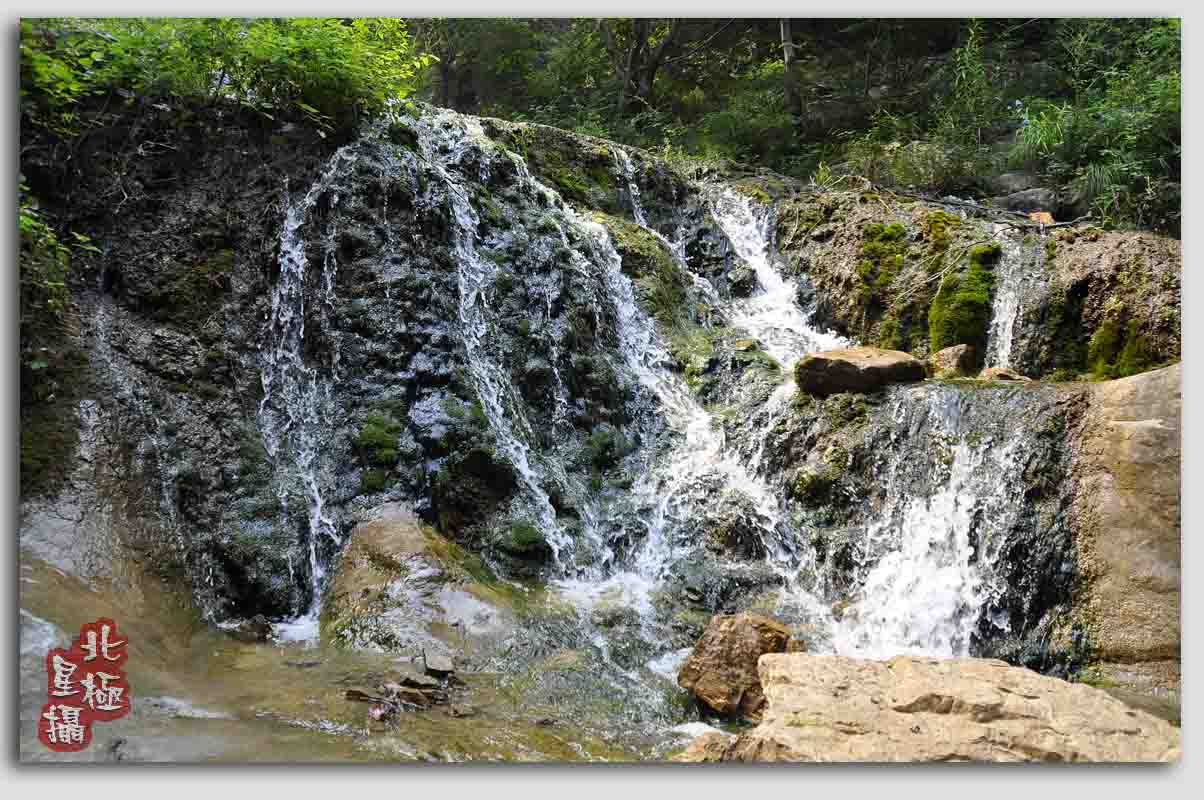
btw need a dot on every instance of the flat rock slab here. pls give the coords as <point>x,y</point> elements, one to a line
<point>834,708</point>
<point>856,369</point>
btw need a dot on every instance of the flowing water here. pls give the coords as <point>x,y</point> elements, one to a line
<point>943,504</point>
<point>299,396</point>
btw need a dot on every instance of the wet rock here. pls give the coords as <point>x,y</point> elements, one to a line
<point>733,527</point>
<point>833,708</point>
<point>256,629</point>
<point>722,670</point>
<point>954,361</point>
<point>401,587</point>
<point>1027,200</point>
<point>856,369</point>
<point>1012,182</point>
<point>1001,374</point>
<point>742,281</point>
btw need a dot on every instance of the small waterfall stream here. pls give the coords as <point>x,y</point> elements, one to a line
<point>298,396</point>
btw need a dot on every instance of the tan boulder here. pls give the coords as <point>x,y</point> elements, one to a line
<point>856,369</point>
<point>953,361</point>
<point>833,708</point>
<point>722,670</point>
<point>1002,374</point>
<point>1126,515</point>
<point>402,587</point>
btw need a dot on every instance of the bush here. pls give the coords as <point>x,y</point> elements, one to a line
<point>332,70</point>
<point>1118,144</point>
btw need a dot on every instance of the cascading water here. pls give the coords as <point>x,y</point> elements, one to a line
<point>298,397</point>
<point>924,595</point>
<point>773,315</point>
<point>1018,274</point>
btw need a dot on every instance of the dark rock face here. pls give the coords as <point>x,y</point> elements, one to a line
<point>855,369</point>
<point>1028,200</point>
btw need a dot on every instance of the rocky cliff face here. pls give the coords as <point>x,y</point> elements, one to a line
<point>573,361</point>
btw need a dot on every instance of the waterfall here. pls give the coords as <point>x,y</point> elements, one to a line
<point>295,414</point>
<point>772,316</point>
<point>627,173</point>
<point>1018,274</point>
<point>444,145</point>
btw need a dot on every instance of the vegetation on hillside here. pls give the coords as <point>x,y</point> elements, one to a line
<point>1091,107</point>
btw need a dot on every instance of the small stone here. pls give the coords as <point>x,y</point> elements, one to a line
<point>954,361</point>
<point>418,681</point>
<point>1002,374</point>
<point>256,629</point>
<point>722,670</point>
<point>745,344</point>
<point>742,281</point>
<point>437,665</point>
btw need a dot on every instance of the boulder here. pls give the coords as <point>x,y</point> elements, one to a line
<point>953,361</point>
<point>1027,201</point>
<point>834,708</point>
<point>401,587</point>
<point>855,369</point>
<point>1001,374</point>
<point>722,670</point>
<point>1011,182</point>
<point>1126,517</point>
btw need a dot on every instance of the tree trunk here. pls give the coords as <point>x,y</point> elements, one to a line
<point>794,102</point>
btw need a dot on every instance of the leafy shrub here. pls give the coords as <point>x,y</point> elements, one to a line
<point>1118,144</point>
<point>332,70</point>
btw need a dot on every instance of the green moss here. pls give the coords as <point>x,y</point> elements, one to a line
<point>961,310</point>
<point>936,227</point>
<point>253,467</point>
<point>1051,249</point>
<point>50,399</point>
<point>524,540</point>
<point>883,251</point>
<point>1116,351</point>
<point>755,191</point>
<point>372,481</point>
<point>660,285</point>
<point>377,440</point>
<point>191,292</point>
<point>605,447</point>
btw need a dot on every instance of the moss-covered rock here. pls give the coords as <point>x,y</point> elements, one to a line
<point>961,310</point>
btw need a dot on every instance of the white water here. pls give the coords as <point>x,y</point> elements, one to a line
<point>444,145</point>
<point>294,439</point>
<point>1013,274</point>
<point>772,316</point>
<point>627,172</point>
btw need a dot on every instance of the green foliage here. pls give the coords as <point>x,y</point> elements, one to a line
<point>1117,143</point>
<point>961,310</point>
<point>330,70</point>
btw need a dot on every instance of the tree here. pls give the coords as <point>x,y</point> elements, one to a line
<point>637,47</point>
<point>794,102</point>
